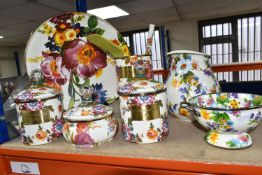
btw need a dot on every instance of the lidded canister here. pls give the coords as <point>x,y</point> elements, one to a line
<point>39,110</point>
<point>143,110</point>
<point>90,124</point>
<point>134,67</point>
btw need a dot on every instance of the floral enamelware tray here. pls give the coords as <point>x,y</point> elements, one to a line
<point>60,50</point>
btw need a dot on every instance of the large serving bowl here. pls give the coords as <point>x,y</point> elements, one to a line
<point>228,116</point>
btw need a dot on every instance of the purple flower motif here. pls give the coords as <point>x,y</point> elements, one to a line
<point>183,90</point>
<point>127,88</point>
<point>52,68</point>
<point>33,106</point>
<point>61,18</point>
<point>235,95</point>
<point>99,109</point>
<point>148,99</point>
<point>57,128</point>
<point>99,94</point>
<point>85,57</point>
<point>207,72</point>
<point>84,138</point>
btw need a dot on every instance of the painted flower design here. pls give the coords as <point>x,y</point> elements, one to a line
<point>152,134</point>
<point>213,137</point>
<point>99,94</point>
<point>84,138</point>
<point>53,69</point>
<point>86,58</point>
<point>234,104</point>
<point>127,88</point>
<point>41,135</point>
<point>33,106</point>
<point>99,109</point>
<point>148,100</point>
<point>81,127</point>
<point>66,127</point>
<point>205,114</point>
<point>184,65</point>
<point>57,128</point>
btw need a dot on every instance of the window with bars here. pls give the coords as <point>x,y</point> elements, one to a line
<point>136,41</point>
<point>233,39</point>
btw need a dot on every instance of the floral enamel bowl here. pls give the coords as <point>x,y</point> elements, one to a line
<point>88,126</point>
<point>229,116</point>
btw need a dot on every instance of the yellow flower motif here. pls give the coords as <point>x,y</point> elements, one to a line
<point>175,83</point>
<point>223,96</point>
<point>60,38</point>
<point>194,82</point>
<point>234,104</point>
<point>213,137</point>
<point>126,50</point>
<point>35,59</point>
<point>70,34</point>
<point>110,60</point>
<point>159,86</point>
<point>205,114</point>
<point>184,112</point>
<point>99,72</point>
<point>133,59</point>
<point>47,29</point>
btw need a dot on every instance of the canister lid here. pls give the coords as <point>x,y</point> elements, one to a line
<point>36,93</point>
<point>141,87</point>
<point>88,113</point>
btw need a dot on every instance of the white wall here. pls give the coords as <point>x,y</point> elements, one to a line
<point>183,35</point>
<point>7,62</point>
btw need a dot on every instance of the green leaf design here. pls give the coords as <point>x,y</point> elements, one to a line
<point>186,56</point>
<point>39,127</point>
<point>160,103</point>
<point>70,89</point>
<point>92,22</point>
<point>231,144</point>
<point>257,101</point>
<point>151,126</point>
<point>127,60</point>
<point>188,76</point>
<point>77,78</point>
<point>71,103</point>
<point>99,31</point>
<point>137,137</point>
<point>72,137</point>
<point>177,59</point>
<point>219,117</point>
<point>87,82</point>
<point>48,131</point>
<point>86,31</point>
<point>222,101</point>
<point>120,38</point>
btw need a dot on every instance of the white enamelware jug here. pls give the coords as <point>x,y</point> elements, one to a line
<point>190,75</point>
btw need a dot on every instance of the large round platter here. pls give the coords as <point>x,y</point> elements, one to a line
<point>60,50</point>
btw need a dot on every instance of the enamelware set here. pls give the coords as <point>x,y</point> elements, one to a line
<point>78,63</point>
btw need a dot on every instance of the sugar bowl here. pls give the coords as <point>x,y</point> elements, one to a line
<point>143,110</point>
<point>89,124</point>
<point>39,110</point>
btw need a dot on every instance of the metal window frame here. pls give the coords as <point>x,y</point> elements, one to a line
<point>233,38</point>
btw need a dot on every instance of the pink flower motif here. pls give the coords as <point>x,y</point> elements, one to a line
<point>147,100</point>
<point>52,68</point>
<point>84,138</point>
<point>243,138</point>
<point>85,57</point>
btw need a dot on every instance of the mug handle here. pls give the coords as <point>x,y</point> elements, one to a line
<point>189,107</point>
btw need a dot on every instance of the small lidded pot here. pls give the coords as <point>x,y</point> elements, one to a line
<point>143,110</point>
<point>39,110</point>
<point>134,67</point>
<point>89,124</point>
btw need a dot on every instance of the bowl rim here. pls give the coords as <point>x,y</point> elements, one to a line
<point>224,109</point>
